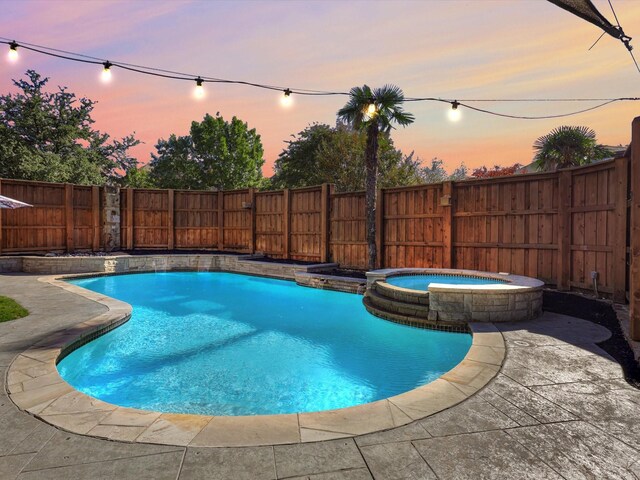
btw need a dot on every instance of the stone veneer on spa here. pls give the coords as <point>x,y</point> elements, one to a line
<point>451,306</point>
<point>35,386</point>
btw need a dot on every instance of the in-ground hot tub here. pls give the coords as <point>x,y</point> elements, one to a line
<point>448,299</point>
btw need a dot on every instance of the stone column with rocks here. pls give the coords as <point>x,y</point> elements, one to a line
<point>111,219</point>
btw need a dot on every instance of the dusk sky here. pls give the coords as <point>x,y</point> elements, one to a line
<point>451,49</point>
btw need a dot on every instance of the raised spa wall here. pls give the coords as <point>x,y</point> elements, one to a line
<point>451,307</point>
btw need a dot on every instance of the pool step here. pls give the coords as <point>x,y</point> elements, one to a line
<point>380,301</point>
<point>409,307</point>
<point>392,317</point>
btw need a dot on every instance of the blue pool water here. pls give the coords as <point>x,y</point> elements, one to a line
<point>229,344</point>
<point>421,282</point>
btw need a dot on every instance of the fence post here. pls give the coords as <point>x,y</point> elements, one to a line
<point>634,274</point>
<point>170,220</point>
<point>220,220</point>
<point>564,230</point>
<point>95,217</point>
<point>130,243</point>
<point>620,231</point>
<point>379,228</point>
<point>285,222</point>
<point>447,224</point>
<point>68,215</point>
<point>252,220</point>
<point>325,221</point>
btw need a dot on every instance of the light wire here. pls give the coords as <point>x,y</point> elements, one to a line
<point>174,75</point>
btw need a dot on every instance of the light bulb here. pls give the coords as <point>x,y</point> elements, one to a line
<point>371,109</point>
<point>455,113</point>
<point>13,52</point>
<point>198,92</point>
<point>286,100</point>
<point>106,72</point>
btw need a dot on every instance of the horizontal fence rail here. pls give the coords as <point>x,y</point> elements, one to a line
<point>567,228</point>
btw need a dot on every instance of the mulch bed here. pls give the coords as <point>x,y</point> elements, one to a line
<point>343,272</point>
<point>175,252</point>
<point>280,260</point>
<point>600,313</point>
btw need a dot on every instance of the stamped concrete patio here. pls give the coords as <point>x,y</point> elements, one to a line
<point>559,408</point>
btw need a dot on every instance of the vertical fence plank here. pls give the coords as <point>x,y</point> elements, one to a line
<point>130,243</point>
<point>286,223</point>
<point>325,222</point>
<point>220,220</point>
<point>446,201</point>
<point>564,229</point>
<point>620,231</point>
<point>379,229</point>
<point>252,220</point>
<point>634,275</point>
<point>95,218</point>
<point>68,215</point>
<point>171,226</point>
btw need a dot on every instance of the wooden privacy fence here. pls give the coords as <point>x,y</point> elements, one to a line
<point>561,227</point>
<point>64,217</point>
<point>283,224</point>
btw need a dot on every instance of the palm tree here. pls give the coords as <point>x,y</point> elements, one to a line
<point>567,146</point>
<point>374,111</point>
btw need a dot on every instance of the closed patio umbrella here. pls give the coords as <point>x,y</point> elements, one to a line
<point>6,202</point>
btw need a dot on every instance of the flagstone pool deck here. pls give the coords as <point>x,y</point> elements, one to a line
<point>558,408</point>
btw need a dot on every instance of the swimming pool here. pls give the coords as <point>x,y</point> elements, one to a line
<point>422,282</point>
<point>229,344</point>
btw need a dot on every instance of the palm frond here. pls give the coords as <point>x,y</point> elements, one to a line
<point>353,112</point>
<point>567,146</point>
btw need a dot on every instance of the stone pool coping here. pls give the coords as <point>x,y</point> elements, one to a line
<point>36,387</point>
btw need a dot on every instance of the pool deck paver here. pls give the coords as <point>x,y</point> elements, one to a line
<point>558,408</point>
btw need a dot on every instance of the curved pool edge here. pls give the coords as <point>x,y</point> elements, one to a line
<point>35,386</point>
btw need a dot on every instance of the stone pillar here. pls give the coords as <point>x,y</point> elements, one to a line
<point>111,219</point>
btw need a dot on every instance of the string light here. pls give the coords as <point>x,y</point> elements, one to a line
<point>198,92</point>
<point>13,51</point>
<point>455,114</point>
<point>286,100</point>
<point>370,109</point>
<point>106,72</point>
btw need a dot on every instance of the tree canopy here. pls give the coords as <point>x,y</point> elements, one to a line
<point>216,154</point>
<point>48,136</point>
<point>496,171</point>
<point>436,173</point>
<point>324,154</point>
<point>297,164</point>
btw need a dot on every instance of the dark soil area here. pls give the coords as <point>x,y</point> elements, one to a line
<point>176,252</point>
<point>601,313</point>
<point>280,260</point>
<point>343,272</point>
